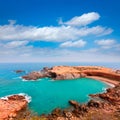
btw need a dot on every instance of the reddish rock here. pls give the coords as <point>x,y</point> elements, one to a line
<point>112,95</point>
<point>69,72</point>
<point>117,71</point>
<point>56,112</point>
<point>69,75</point>
<point>104,74</point>
<point>33,76</point>
<point>11,107</point>
<point>75,104</point>
<point>93,103</point>
<point>68,115</point>
<point>19,71</point>
<point>82,75</point>
<point>16,97</point>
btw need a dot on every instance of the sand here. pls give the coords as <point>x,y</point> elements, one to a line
<point>106,80</point>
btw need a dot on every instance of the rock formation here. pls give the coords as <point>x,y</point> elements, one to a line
<point>19,71</point>
<point>117,71</point>
<point>107,107</point>
<point>73,72</point>
<point>100,106</point>
<point>10,107</point>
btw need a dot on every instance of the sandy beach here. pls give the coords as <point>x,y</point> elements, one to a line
<point>106,80</point>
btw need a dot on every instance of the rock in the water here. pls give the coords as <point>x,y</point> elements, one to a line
<point>75,104</point>
<point>19,71</point>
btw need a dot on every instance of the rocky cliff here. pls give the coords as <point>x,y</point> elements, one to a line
<point>105,106</point>
<point>73,72</point>
<point>11,106</point>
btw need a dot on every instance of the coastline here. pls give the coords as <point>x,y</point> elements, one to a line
<point>112,83</point>
<point>110,97</point>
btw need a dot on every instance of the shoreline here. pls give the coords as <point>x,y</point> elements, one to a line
<point>109,98</point>
<point>110,82</point>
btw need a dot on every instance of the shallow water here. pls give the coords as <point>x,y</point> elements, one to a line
<point>46,94</point>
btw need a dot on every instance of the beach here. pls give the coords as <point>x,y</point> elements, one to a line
<point>112,83</point>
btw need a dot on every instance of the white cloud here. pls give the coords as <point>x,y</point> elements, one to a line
<point>15,44</point>
<point>14,40</point>
<point>30,54</point>
<point>79,43</point>
<point>12,22</point>
<point>60,33</point>
<point>82,20</point>
<point>110,44</point>
<point>105,42</point>
<point>66,31</point>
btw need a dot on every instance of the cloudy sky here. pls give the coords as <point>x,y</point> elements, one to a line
<point>59,31</point>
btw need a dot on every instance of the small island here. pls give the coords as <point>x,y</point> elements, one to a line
<point>107,103</point>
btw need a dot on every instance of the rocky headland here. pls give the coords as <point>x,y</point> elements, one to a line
<point>105,106</point>
<point>12,106</point>
<point>73,72</point>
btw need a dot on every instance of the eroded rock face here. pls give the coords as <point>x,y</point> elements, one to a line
<point>112,95</point>
<point>53,75</point>
<point>93,103</point>
<point>110,104</point>
<point>33,76</point>
<point>68,72</point>
<point>10,108</point>
<point>117,71</point>
<point>79,109</point>
<point>104,74</point>
<point>75,104</point>
<point>16,97</point>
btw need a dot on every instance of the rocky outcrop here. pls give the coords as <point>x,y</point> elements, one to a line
<point>117,71</point>
<point>10,107</point>
<point>106,106</point>
<point>33,76</point>
<point>69,75</point>
<point>19,71</point>
<point>112,95</point>
<point>93,103</point>
<point>69,72</point>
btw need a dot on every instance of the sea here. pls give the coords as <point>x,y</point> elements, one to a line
<point>46,94</point>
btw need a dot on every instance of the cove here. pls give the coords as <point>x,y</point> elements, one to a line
<point>48,94</point>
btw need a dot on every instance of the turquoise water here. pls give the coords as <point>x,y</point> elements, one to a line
<point>46,94</point>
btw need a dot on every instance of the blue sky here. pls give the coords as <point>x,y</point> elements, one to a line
<point>59,30</point>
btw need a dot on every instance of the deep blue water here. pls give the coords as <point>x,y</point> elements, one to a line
<point>48,94</point>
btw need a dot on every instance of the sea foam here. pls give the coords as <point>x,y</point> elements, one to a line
<point>27,97</point>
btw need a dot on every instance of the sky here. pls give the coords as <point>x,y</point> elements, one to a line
<point>59,31</point>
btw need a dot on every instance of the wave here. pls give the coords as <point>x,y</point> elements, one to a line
<point>52,80</point>
<point>104,89</point>
<point>17,78</point>
<point>31,80</point>
<point>27,97</point>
